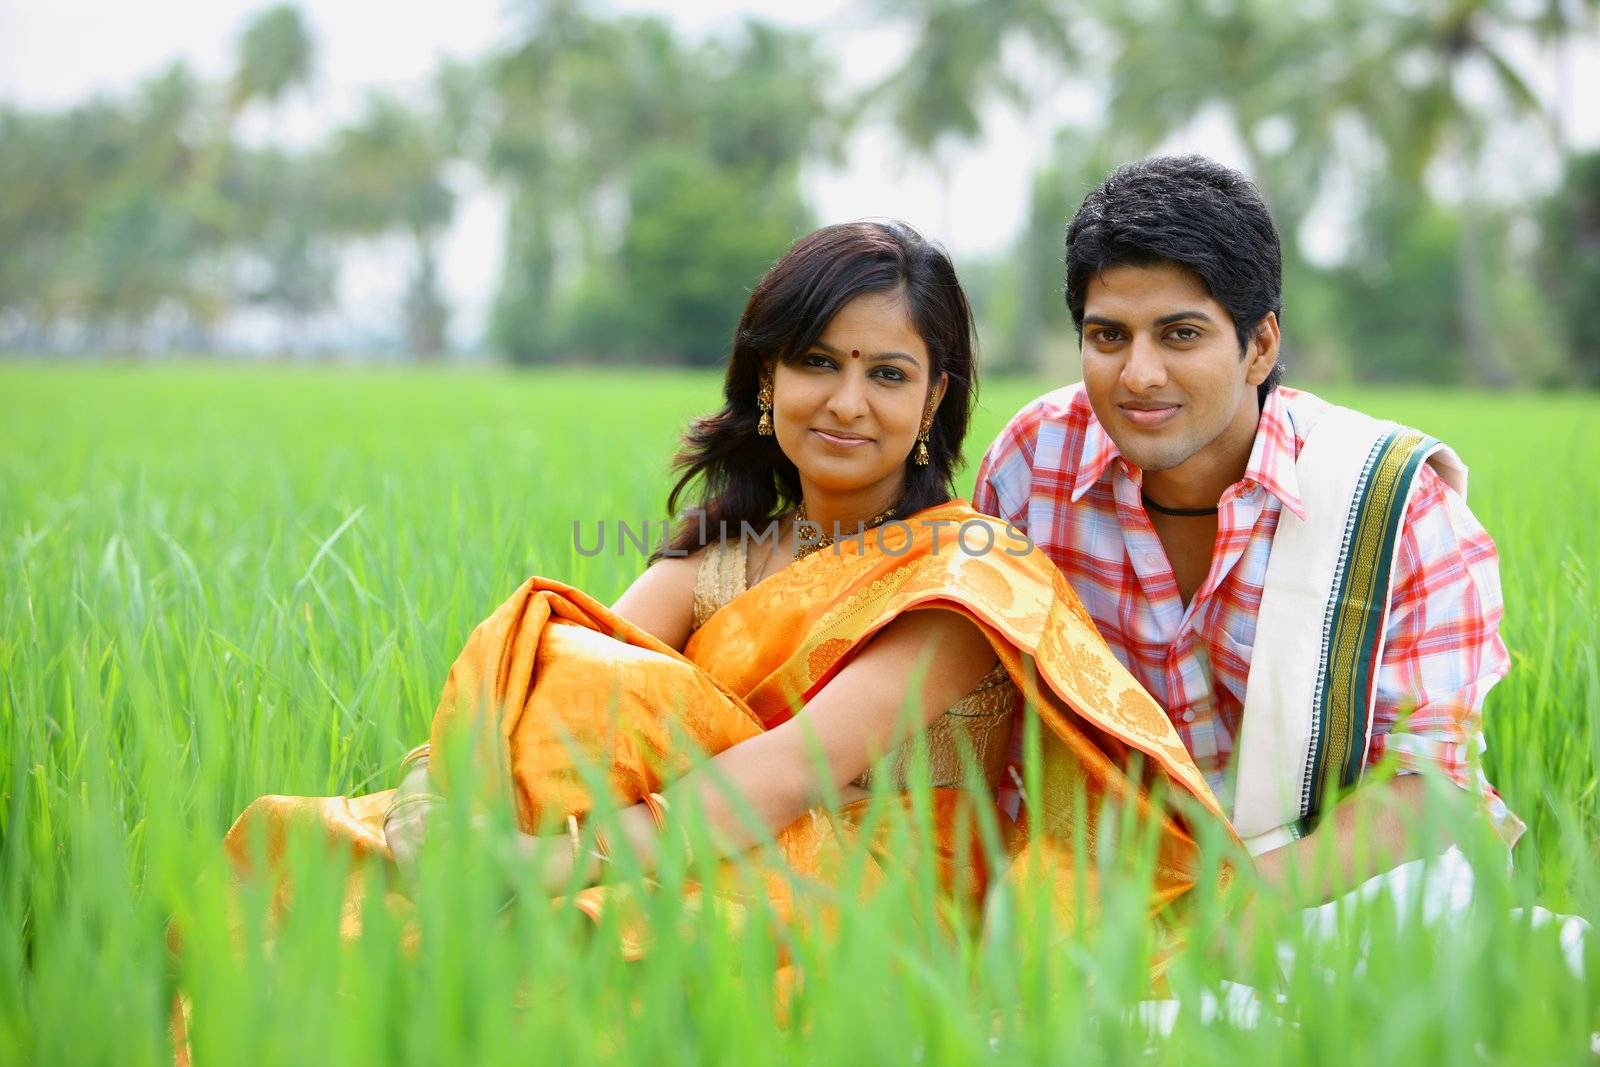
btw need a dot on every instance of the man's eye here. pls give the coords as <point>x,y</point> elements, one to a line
<point>1185,334</point>
<point>1107,337</point>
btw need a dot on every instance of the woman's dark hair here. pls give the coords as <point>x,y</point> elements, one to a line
<point>1191,211</point>
<point>745,477</point>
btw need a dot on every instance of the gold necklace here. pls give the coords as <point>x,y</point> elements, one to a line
<point>805,545</point>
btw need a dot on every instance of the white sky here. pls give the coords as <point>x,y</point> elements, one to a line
<point>57,52</point>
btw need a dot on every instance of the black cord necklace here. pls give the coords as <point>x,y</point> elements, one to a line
<point>1181,513</point>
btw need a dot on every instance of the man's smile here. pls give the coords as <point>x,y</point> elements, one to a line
<point>1148,413</point>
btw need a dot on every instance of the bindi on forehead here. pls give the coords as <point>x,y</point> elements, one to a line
<point>857,353</point>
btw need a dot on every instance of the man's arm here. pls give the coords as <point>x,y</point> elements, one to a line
<point>1442,654</point>
<point>1373,830</point>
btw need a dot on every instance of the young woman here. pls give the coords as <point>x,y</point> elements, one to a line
<point>824,583</point>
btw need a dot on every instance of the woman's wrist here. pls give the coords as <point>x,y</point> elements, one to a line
<point>581,855</point>
<point>553,864</point>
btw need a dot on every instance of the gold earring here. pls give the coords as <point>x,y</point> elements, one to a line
<point>764,402</point>
<point>922,443</point>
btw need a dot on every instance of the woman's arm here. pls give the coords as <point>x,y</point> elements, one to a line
<point>661,600</point>
<point>776,776</point>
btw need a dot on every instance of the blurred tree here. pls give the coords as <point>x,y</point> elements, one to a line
<point>767,111</point>
<point>958,65</point>
<point>290,263</point>
<point>1558,25</point>
<point>620,140</point>
<point>169,198</point>
<point>1300,81</point>
<point>1571,262</point>
<point>698,239</point>
<point>1423,71</point>
<point>1294,80</point>
<point>286,235</point>
<point>50,166</point>
<point>1040,334</point>
<point>276,55</point>
<point>1175,62</point>
<point>531,146</point>
<point>108,216</point>
<point>1398,297</point>
<point>651,177</point>
<point>387,173</point>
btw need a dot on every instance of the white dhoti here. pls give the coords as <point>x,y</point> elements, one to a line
<point>1437,892</point>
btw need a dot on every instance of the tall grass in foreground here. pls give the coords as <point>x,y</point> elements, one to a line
<point>219,584</point>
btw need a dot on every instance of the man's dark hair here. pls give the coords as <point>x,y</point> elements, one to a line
<point>1191,211</point>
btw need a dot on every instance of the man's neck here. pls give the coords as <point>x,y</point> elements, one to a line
<point>1200,480</point>
<point>1187,488</point>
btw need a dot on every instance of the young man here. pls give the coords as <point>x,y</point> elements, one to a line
<point>1301,587</point>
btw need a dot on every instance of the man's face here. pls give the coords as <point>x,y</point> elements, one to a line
<point>1162,368</point>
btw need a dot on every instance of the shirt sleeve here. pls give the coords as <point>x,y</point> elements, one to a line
<point>1443,650</point>
<point>1005,477</point>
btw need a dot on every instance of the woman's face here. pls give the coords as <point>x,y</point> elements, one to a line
<point>848,409</point>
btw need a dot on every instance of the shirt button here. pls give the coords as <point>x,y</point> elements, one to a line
<point>1188,715</point>
<point>1151,559</point>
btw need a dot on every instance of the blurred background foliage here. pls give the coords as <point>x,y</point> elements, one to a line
<point>651,177</point>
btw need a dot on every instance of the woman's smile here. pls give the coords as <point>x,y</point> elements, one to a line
<point>841,440</point>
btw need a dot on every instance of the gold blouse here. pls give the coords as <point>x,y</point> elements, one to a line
<point>981,719</point>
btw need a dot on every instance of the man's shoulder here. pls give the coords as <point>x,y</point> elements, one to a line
<point>1349,440</point>
<point>1063,411</point>
<point>1043,440</point>
<point>1069,402</point>
<point>1047,434</point>
<point>1358,429</point>
<point>1306,409</point>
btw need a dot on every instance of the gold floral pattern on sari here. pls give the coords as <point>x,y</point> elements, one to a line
<point>988,583</point>
<point>865,602</point>
<point>821,659</point>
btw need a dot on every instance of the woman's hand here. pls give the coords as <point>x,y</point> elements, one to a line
<point>549,863</point>
<point>406,824</point>
<point>549,860</point>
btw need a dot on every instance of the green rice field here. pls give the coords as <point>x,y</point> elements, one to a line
<point>217,583</point>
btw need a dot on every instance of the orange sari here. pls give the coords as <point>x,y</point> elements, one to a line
<point>559,679</point>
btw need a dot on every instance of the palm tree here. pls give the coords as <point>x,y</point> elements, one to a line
<point>1555,25</point>
<point>957,67</point>
<point>1413,83</point>
<point>276,56</point>
<point>389,173</point>
<point>532,147</point>
<point>587,110</point>
<point>1295,82</point>
<point>293,269</point>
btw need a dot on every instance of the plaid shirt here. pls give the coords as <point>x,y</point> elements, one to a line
<point>1055,473</point>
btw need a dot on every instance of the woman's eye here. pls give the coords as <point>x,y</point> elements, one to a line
<point>891,374</point>
<point>816,359</point>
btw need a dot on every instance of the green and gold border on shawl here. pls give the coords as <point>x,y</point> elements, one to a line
<point>1356,614</point>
